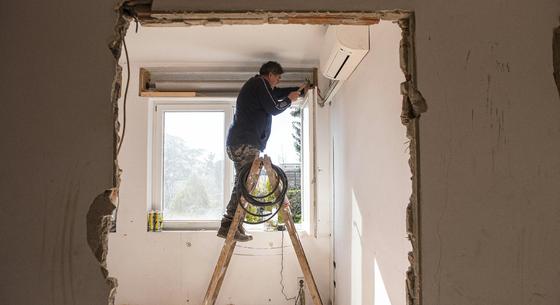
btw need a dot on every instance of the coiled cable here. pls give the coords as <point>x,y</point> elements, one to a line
<point>281,187</point>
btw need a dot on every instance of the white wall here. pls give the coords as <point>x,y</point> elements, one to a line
<point>173,267</point>
<point>371,178</point>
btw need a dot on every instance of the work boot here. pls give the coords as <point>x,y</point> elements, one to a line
<point>240,234</point>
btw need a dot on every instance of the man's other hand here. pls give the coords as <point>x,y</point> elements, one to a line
<point>293,96</point>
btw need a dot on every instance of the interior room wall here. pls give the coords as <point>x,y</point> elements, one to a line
<point>371,176</point>
<point>175,267</point>
<point>490,168</point>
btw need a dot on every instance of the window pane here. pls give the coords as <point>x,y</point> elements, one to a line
<point>193,165</point>
<point>284,149</point>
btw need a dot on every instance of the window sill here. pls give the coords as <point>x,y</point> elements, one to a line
<point>300,229</point>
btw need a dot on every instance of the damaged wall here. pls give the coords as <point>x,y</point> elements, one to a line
<point>490,168</point>
<point>57,147</point>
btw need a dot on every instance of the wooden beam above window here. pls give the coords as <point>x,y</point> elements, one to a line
<point>209,81</point>
<point>149,17</point>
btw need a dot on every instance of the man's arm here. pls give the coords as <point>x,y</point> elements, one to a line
<point>273,101</point>
<point>282,93</point>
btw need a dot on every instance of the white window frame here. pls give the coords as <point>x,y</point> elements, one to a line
<point>158,108</point>
<point>308,173</point>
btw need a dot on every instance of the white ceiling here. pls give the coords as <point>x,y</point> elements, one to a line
<point>291,45</point>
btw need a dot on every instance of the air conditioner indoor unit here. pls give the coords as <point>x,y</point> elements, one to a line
<point>344,48</point>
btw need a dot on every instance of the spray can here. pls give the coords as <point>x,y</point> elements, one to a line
<point>158,221</point>
<point>150,221</point>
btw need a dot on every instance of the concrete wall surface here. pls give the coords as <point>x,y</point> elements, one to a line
<point>372,182</point>
<point>56,147</point>
<point>490,168</point>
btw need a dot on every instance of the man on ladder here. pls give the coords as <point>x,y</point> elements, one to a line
<point>258,100</point>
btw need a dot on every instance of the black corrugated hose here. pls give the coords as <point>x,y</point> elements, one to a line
<point>259,201</point>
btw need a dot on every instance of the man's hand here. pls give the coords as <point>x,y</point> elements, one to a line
<point>293,96</point>
<point>304,87</point>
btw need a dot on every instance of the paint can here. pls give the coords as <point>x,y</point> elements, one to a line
<point>150,221</point>
<point>155,221</point>
<point>158,222</point>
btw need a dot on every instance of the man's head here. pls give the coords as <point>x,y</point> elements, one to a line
<point>271,71</point>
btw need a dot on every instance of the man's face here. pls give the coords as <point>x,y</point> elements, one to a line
<point>274,79</point>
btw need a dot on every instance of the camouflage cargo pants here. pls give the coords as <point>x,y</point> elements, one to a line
<point>240,155</point>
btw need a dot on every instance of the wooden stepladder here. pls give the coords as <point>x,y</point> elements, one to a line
<point>229,244</point>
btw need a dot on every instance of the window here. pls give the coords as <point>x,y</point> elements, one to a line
<point>191,172</point>
<point>192,176</point>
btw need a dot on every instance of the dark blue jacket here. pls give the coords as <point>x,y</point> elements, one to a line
<point>256,103</point>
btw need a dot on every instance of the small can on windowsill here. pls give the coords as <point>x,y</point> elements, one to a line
<point>155,221</point>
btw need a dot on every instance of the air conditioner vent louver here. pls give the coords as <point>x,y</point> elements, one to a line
<point>344,47</point>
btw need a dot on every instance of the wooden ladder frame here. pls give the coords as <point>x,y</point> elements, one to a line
<point>229,244</point>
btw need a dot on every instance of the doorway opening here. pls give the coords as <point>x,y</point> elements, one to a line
<point>330,166</point>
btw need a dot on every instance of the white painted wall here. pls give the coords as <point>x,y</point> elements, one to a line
<point>371,178</point>
<point>250,45</point>
<point>175,267</point>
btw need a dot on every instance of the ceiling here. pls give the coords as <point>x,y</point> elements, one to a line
<point>291,45</point>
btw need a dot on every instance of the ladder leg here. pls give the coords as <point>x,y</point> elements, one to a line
<point>223,260</point>
<point>229,244</point>
<point>298,248</point>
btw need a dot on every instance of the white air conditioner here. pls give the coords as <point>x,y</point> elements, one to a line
<point>344,48</point>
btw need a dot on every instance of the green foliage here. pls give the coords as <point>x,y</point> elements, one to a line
<point>263,187</point>
<point>190,186</point>
<point>296,134</point>
<point>294,195</point>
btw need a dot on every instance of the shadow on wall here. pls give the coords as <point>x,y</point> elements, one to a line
<point>368,252</point>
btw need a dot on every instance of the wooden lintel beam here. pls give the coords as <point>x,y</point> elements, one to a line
<point>148,17</point>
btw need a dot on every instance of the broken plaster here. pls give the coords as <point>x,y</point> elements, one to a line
<point>147,17</point>
<point>414,104</point>
<point>99,216</point>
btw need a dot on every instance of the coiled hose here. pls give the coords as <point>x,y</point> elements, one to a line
<point>260,201</point>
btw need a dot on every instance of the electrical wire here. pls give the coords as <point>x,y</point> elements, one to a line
<point>124,104</point>
<point>132,14</point>
<point>260,200</point>
<point>124,117</point>
<point>125,95</point>
<point>282,273</point>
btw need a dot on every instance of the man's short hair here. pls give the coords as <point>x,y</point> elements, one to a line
<point>271,67</point>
